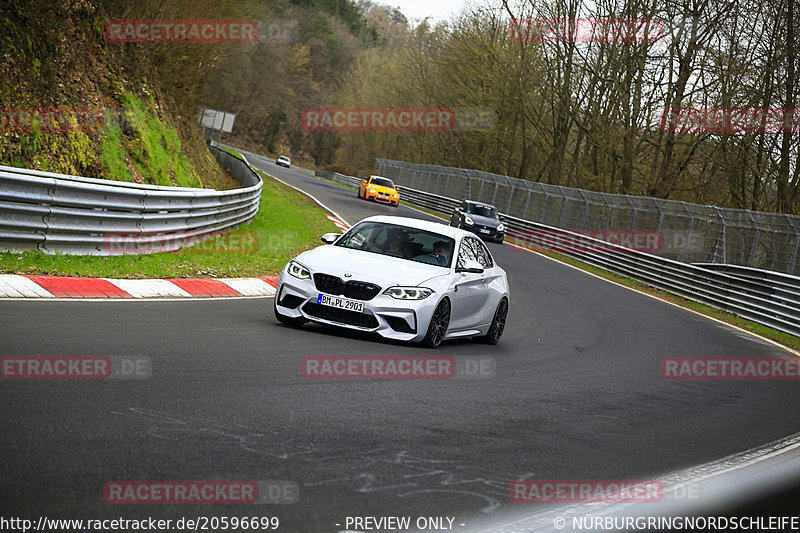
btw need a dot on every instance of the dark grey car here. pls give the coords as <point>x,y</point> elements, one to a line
<point>479,218</point>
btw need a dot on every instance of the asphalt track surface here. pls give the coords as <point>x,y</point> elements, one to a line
<point>577,395</point>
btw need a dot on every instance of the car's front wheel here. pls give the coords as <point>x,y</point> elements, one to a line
<point>438,325</point>
<point>498,324</point>
<point>287,320</point>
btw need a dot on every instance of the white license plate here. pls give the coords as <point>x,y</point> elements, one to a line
<point>483,230</point>
<point>340,303</point>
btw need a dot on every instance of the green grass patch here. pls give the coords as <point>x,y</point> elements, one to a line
<point>139,145</point>
<point>234,153</point>
<point>287,223</point>
<point>112,155</point>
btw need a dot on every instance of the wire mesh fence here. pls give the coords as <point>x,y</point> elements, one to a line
<point>691,233</point>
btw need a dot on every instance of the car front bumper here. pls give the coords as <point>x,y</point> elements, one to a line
<point>381,199</point>
<point>403,320</point>
<point>486,232</point>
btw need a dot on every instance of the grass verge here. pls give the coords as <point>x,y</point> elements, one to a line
<point>260,248</point>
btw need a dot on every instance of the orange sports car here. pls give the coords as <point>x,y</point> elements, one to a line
<point>379,189</point>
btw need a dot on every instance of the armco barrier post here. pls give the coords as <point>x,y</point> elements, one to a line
<point>564,202</point>
<point>755,222</point>
<point>657,203</point>
<point>585,209</point>
<point>688,232</point>
<point>527,202</point>
<point>796,228</point>
<point>724,236</point>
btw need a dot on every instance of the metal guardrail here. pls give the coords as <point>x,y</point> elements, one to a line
<point>777,280</point>
<point>253,157</point>
<point>58,213</point>
<point>692,232</point>
<point>768,298</point>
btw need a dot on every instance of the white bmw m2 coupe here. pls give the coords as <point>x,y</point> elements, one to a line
<point>402,278</point>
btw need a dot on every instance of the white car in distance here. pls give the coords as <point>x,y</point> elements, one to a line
<point>402,278</point>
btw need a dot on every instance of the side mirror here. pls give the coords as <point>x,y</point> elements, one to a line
<point>330,238</point>
<point>473,267</point>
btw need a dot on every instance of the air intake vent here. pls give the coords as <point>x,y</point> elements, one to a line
<point>341,316</point>
<point>357,290</point>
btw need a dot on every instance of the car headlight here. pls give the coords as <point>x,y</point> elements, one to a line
<point>468,220</point>
<point>394,195</point>
<point>299,271</point>
<point>371,190</point>
<point>501,227</point>
<point>408,293</point>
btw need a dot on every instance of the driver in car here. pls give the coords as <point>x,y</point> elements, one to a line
<point>442,252</point>
<point>399,247</point>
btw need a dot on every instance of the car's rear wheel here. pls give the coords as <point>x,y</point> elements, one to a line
<point>498,324</point>
<point>438,325</point>
<point>287,320</point>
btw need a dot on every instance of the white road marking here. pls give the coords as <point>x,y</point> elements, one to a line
<point>14,286</point>
<point>250,286</point>
<point>148,288</point>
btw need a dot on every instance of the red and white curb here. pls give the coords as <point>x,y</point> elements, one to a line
<point>339,224</point>
<point>18,286</point>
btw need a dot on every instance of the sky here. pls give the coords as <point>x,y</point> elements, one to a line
<point>438,10</point>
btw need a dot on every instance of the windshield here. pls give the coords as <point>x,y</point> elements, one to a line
<point>482,210</point>
<point>400,241</point>
<point>383,182</point>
